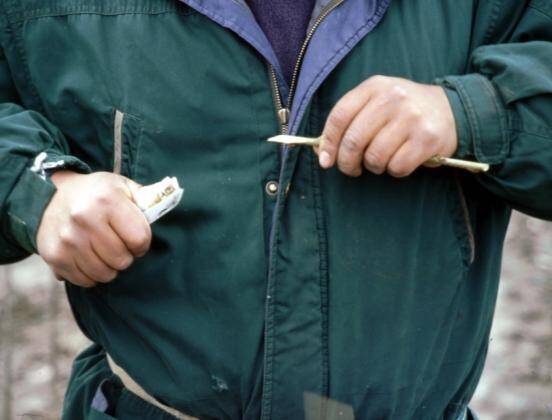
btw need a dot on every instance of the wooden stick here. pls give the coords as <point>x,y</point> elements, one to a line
<point>475,167</point>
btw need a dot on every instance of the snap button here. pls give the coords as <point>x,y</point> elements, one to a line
<point>271,188</point>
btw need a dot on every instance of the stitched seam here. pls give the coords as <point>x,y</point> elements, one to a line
<point>457,220</point>
<point>76,13</point>
<point>22,54</point>
<point>467,219</point>
<point>475,122</point>
<point>472,117</point>
<point>539,9</point>
<point>530,133</point>
<point>498,111</point>
<point>323,270</point>
<point>134,161</point>
<point>261,213</point>
<point>16,13</point>
<point>266,401</point>
<point>493,21</point>
<point>269,346</point>
<point>517,124</point>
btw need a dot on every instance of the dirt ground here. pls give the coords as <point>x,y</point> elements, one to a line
<point>517,380</point>
<point>38,337</point>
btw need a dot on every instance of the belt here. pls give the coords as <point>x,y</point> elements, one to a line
<point>136,389</point>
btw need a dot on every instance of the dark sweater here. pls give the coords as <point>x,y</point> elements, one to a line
<point>285,24</point>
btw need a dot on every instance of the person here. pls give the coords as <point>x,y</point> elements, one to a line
<point>289,281</point>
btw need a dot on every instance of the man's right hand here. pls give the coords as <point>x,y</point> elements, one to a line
<point>91,228</point>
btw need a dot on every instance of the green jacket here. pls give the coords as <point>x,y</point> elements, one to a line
<point>373,291</point>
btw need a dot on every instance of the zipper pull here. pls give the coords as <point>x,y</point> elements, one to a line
<point>283,116</point>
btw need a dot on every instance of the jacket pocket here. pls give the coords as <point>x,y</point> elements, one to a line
<point>127,139</point>
<point>462,221</point>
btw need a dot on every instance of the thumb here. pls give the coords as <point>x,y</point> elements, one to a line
<point>131,189</point>
<point>138,194</point>
<point>317,147</point>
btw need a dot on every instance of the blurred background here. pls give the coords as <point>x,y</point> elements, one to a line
<point>39,339</point>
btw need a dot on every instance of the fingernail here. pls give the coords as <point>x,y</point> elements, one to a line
<point>325,159</point>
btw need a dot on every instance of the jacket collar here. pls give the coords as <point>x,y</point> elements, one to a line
<point>336,36</point>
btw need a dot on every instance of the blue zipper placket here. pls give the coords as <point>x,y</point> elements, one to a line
<point>333,39</point>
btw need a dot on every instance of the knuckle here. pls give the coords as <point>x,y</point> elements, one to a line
<point>373,161</point>
<point>352,141</point>
<point>338,118</point>
<point>120,186</point>
<point>414,114</point>
<point>104,197</point>
<point>66,238</point>
<point>79,215</point>
<point>426,134</point>
<point>397,93</point>
<point>378,79</point>
<point>427,140</point>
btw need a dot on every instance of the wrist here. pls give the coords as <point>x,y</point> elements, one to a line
<point>61,176</point>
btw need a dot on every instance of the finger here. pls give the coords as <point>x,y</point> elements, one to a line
<point>338,121</point>
<point>93,267</point>
<point>362,130</point>
<point>111,249</point>
<point>131,226</point>
<point>384,146</point>
<point>75,276</point>
<point>409,157</point>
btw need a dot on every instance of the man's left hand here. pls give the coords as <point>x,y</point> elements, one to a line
<point>388,124</point>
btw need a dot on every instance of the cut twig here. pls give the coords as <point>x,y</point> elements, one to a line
<point>467,165</point>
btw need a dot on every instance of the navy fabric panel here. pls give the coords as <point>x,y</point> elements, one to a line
<point>285,24</point>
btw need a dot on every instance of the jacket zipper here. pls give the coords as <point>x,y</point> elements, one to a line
<point>283,111</point>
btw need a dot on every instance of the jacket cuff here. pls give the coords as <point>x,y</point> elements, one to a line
<point>27,203</point>
<point>31,195</point>
<point>480,118</point>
